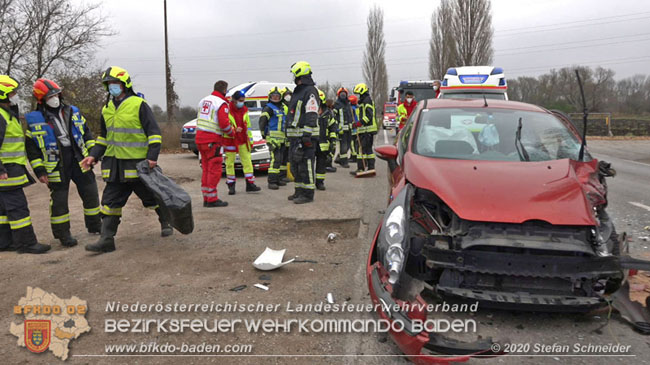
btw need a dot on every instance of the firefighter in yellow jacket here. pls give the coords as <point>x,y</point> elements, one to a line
<point>16,231</point>
<point>129,134</point>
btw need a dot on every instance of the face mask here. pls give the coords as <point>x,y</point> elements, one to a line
<point>409,100</point>
<point>240,104</point>
<point>14,100</point>
<point>53,102</point>
<point>435,87</point>
<point>115,90</point>
<point>287,98</point>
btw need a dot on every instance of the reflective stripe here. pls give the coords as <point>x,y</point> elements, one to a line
<point>128,144</point>
<point>131,174</point>
<point>155,139</point>
<point>311,185</point>
<point>90,143</point>
<point>36,163</point>
<point>106,174</point>
<point>101,141</point>
<point>125,130</point>
<point>60,219</point>
<point>15,181</point>
<point>92,211</point>
<point>12,154</point>
<point>4,219</point>
<point>13,140</point>
<point>21,223</point>
<point>110,211</point>
<point>320,176</point>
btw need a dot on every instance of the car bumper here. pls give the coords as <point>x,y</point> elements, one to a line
<point>390,124</point>
<point>188,143</point>
<point>418,347</point>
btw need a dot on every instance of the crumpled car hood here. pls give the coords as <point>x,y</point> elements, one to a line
<point>510,192</point>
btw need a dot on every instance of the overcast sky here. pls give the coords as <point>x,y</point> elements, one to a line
<point>241,41</point>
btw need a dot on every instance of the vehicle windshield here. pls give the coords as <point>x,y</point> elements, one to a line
<point>419,94</point>
<point>448,95</point>
<point>490,134</point>
<point>390,109</point>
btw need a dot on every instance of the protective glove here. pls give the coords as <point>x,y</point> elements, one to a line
<point>357,124</point>
<point>306,141</point>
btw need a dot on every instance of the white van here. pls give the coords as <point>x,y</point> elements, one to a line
<point>474,82</point>
<point>257,93</point>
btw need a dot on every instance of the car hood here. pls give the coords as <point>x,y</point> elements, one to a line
<point>510,192</point>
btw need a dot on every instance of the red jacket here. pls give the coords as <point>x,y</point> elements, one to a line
<point>239,121</point>
<point>224,122</point>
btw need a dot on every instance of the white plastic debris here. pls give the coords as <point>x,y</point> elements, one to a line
<point>644,238</point>
<point>260,286</point>
<point>270,260</point>
<point>332,237</point>
<point>330,298</point>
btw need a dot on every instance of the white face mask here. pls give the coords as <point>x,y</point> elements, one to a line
<point>409,100</point>
<point>287,98</point>
<point>14,100</point>
<point>435,87</point>
<point>53,102</point>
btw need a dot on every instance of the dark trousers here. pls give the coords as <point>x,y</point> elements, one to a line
<point>344,144</point>
<point>15,223</point>
<point>366,155</point>
<point>322,159</point>
<point>116,195</point>
<point>87,189</point>
<point>285,160</point>
<point>277,157</point>
<point>303,158</point>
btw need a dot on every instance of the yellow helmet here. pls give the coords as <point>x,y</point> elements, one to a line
<point>321,95</point>
<point>275,90</point>
<point>301,68</point>
<point>285,91</point>
<point>115,73</point>
<point>7,85</point>
<point>360,89</point>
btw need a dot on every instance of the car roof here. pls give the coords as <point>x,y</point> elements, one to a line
<point>480,103</point>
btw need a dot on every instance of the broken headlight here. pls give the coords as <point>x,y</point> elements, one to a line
<point>393,238</point>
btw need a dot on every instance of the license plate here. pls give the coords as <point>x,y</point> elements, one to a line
<point>185,145</point>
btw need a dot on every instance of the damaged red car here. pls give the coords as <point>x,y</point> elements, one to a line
<point>491,204</point>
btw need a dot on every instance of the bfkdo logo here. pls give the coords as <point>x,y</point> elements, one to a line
<point>38,333</point>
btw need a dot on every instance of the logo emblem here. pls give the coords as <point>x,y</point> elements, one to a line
<point>37,334</point>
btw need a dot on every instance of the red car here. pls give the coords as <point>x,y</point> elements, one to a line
<point>491,204</point>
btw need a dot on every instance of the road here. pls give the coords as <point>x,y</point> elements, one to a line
<point>202,268</point>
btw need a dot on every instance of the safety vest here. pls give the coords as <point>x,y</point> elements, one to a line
<point>206,119</point>
<point>233,125</point>
<point>13,149</point>
<point>43,134</point>
<point>355,115</point>
<point>276,122</point>
<point>367,116</point>
<point>125,137</point>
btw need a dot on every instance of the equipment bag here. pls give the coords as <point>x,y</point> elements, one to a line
<point>175,202</point>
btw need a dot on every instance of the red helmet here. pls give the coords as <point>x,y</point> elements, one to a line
<point>44,88</point>
<point>340,90</point>
<point>353,99</point>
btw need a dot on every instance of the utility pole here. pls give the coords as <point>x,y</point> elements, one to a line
<point>168,76</point>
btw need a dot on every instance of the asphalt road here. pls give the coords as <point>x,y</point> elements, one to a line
<point>217,256</point>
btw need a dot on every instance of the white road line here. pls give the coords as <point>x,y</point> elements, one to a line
<point>608,157</point>
<point>640,205</point>
<point>385,137</point>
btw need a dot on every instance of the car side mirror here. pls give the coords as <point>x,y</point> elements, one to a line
<point>387,152</point>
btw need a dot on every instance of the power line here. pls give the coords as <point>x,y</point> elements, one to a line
<point>573,22</point>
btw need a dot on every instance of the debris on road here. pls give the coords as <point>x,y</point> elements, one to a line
<point>306,261</point>
<point>331,238</point>
<point>644,238</point>
<point>330,298</point>
<point>238,288</point>
<point>265,277</point>
<point>270,260</point>
<point>260,286</point>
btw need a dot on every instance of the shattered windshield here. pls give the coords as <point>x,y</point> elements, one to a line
<point>491,134</point>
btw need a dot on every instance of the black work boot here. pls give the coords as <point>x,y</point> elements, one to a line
<point>307,196</point>
<point>281,182</point>
<point>296,194</point>
<point>67,240</point>
<point>330,169</point>
<point>106,242</point>
<point>273,180</point>
<point>344,163</point>
<point>166,229</point>
<point>251,187</point>
<point>217,204</point>
<point>231,188</point>
<point>26,242</point>
<point>94,224</point>
<point>285,180</point>
<point>320,185</point>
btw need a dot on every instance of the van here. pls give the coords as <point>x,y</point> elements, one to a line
<point>257,93</point>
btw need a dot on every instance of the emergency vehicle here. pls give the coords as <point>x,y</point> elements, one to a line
<point>390,116</point>
<point>257,93</point>
<point>422,90</point>
<point>474,82</point>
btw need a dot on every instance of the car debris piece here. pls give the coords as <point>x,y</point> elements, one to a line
<point>270,260</point>
<point>631,311</point>
<point>330,298</point>
<point>331,238</point>
<point>260,286</point>
<point>265,277</point>
<point>238,288</point>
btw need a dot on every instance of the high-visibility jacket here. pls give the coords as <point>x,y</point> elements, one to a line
<point>367,115</point>
<point>212,121</point>
<point>355,114</point>
<point>404,111</point>
<point>43,137</point>
<point>327,129</point>
<point>125,137</point>
<point>344,115</point>
<point>272,122</point>
<point>239,118</point>
<point>12,152</point>
<point>302,119</point>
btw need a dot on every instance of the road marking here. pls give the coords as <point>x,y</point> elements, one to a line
<point>640,205</point>
<point>608,157</point>
<point>385,137</point>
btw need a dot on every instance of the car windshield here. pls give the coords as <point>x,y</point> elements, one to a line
<point>390,109</point>
<point>490,134</point>
<point>419,94</point>
<point>472,96</point>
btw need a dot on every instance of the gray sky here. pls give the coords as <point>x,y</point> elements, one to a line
<point>243,40</point>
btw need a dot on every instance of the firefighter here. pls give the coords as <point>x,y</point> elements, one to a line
<point>302,130</point>
<point>213,121</point>
<point>59,139</point>
<point>326,138</point>
<point>129,134</point>
<point>241,142</point>
<point>405,108</point>
<point>344,118</point>
<point>354,141</point>
<point>332,139</point>
<point>286,98</point>
<point>272,128</point>
<point>366,129</point>
<point>16,231</point>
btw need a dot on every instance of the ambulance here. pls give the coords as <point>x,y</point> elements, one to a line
<point>474,82</point>
<point>257,93</point>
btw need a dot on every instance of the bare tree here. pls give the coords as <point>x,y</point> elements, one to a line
<point>441,46</point>
<point>471,26</point>
<point>374,64</point>
<point>14,32</point>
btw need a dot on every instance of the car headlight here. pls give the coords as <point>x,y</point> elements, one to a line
<point>393,238</point>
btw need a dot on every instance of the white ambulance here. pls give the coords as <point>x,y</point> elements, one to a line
<point>474,82</point>
<point>257,93</point>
